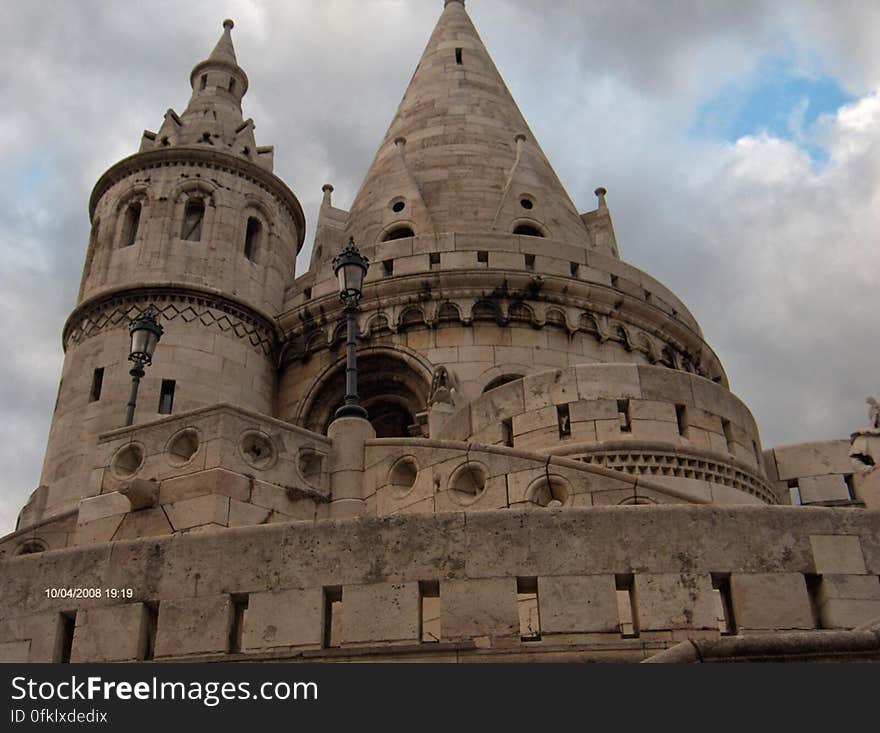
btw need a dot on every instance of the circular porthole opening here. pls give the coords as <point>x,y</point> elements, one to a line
<point>403,474</point>
<point>257,449</point>
<point>182,447</point>
<point>549,493</point>
<point>398,205</point>
<point>128,460</point>
<point>468,482</point>
<point>526,203</point>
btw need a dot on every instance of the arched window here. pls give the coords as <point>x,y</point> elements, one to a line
<point>130,224</point>
<point>193,215</point>
<point>252,238</point>
<point>400,233</point>
<point>528,231</point>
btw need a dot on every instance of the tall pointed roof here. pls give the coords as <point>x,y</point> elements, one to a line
<point>213,116</point>
<point>459,152</point>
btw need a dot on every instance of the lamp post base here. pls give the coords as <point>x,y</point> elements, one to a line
<point>351,411</point>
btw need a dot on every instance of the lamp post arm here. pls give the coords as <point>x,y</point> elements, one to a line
<point>137,371</point>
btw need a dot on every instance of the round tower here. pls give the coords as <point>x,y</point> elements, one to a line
<point>494,312</point>
<point>197,225</point>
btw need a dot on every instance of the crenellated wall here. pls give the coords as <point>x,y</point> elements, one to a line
<point>600,584</point>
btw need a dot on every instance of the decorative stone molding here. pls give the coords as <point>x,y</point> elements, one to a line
<point>188,305</point>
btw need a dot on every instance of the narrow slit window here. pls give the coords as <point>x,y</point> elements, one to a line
<point>728,434</point>
<point>814,587</point>
<point>507,432</point>
<point>574,269</point>
<point>529,262</point>
<point>563,421</point>
<point>429,611</point>
<point>307,293</point>
<point>758,458</point>
<point>148,643</point>
<point>252,238</point>
<point>68,628</point>
<point>130,224</point>
<point>483,256</point>
<point>434,259</point>
<point>231,84</point>
<point>458,56</point>
<point>626,606</point>
<point>623,416</point>
<point>193,215</point>
<point>681,419</point>
<point>723,603</point>
<point>332,616</point>
<point>794,492</point>
<point>203,82</point>
<point>166,397</point>
<point>528,609</point>
<point>236,631</point>
<point>97,384</point>
<point>850,489</point>
<point>388,267</point>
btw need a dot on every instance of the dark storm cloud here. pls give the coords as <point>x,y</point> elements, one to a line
<point>776,257</point>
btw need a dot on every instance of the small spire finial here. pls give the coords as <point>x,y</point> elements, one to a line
<point>327,188</point>
<point>600,192</point>
<point>228,24</point>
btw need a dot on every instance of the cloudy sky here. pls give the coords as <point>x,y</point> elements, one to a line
<point>739,142</point>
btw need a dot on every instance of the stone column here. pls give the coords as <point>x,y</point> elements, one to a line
<point>347,465</point>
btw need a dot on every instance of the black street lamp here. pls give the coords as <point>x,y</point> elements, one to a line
<point>145,332</point>
<point>350,267</point>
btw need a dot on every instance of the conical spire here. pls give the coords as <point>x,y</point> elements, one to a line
<point>213,116</point>
<point>472,164</point>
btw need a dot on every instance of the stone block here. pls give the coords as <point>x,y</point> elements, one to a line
<point>497,404</point>
<point>193,626</point>
<point>145,523</point>
<point>770,601</point>
<point>822,488</point>
<point>847,613</point>
<point>665,385</point>
<point>287,618</point>
<point>473,608</point>
<point>100,530</point>
<point>209,509</point>
<point>813,459</point>
<point>675,601</point>
<point>15,651</point>
<point>242,514</point>
<point>651,410</point>
<point>577,604</point>
<point>837,554</point>
<point>545,417</point>
<point>101,506</point>
<point>655,430</point>
<point>608,380</point>
<point>110,634</point>
<point>555,388</point>
<point>213,481</point>
<point>380,612</point>
<point>593,410</point>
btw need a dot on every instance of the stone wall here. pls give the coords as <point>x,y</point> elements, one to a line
<point>607,584</point>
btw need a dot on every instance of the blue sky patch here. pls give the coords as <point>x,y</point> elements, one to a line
<point>776,99</point>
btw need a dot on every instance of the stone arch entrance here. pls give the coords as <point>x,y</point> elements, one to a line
<point>393,387</point>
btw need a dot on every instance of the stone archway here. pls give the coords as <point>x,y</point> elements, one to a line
<point>393,387</point>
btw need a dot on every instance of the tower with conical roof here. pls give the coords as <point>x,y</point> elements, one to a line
<point>525,388</point>
<point>486,277</point>
<point>197,225</point>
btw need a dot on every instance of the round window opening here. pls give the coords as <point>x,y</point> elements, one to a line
<point>257,449</point>
<point>549,494</point>
<point>526,203</point>
<point>468,482</point>
<point>398,205</point>
<point>402,476</point>
<point>182,447</point>
<point>128,460</point>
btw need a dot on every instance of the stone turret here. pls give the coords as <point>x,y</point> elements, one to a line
<point>197,225</point>
<point>485,276</point>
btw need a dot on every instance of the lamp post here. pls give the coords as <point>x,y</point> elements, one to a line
<point>350,268</point>
<point>145,332</point>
